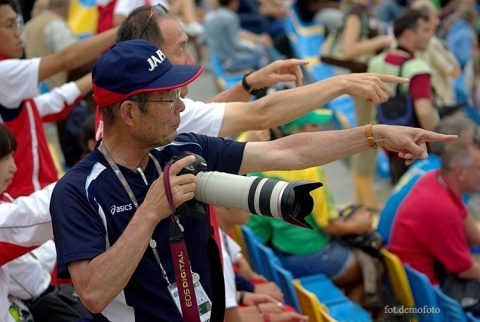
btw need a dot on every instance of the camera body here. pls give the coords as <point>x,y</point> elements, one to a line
<point>192,208</point>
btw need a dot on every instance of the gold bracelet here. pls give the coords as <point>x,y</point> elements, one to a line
<point>369,135</point>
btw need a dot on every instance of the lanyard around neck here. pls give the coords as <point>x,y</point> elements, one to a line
<point>181,263</point>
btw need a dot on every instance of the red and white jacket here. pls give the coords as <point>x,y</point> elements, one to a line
<point>25,223</point>
<point>23,111</point>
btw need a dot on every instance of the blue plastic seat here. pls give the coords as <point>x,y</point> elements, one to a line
<point>251,241</point>
<point>284,280</point>
<point>423,295</point>
<point>323,287</point>
<point>450,308</point>
<point>267,260</point>
<point>223,79</point>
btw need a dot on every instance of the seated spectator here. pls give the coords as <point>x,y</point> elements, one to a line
<point>224,36</point>
<point>324,12</point>
<point>462,39</point>
<point>435,237</point>
<point>457,124</point>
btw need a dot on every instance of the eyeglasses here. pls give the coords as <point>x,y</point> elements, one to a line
<point>14,25</point>
<point>171,101</point>
<point>155,11</point>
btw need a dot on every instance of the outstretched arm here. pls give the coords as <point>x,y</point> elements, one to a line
<point>75,55</point>
<point>283,106</point>
<point>305,150</point>
<point>279,71</point>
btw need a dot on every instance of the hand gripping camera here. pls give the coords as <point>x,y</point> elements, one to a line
<point>290,201</point>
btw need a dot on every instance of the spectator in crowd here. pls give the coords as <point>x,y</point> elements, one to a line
<point>25,221</point>
<point>324,12</point>
<point>108,258</point>
<point>19,86</point>
<point>429,234</point>
<point>462,39</point>
<point>457,124</point>
<point>266,17</point>
<point>306,252</point>
<point>184,9</point>
<point>239,50</point>
<point>359,38</point>
<point>246,306</point>
<point>438,56</point>
<point>48,32</point>
<point>413,32</point>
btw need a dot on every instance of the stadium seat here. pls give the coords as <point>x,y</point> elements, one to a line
<point>310,305</point>
<point>449,308</point>
<point>284,280</point>
<point>223,79</point>
<point>250,240</point>
<point>423,295</point>
<point>398,278</point>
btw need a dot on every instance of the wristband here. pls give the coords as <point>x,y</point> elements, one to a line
<point>266,317</point>
<point>369,135</point>
<point>248,88</point>
<point>242,296</point>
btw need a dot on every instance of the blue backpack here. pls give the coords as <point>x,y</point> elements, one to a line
<point>398,109</point>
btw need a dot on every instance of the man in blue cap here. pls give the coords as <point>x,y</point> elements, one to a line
<point>118,202</point>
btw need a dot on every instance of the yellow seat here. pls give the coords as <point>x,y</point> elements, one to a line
<point>398,278</point>
<point>310,305</point>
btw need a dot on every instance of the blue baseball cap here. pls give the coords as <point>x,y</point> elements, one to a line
<point>137,66</point>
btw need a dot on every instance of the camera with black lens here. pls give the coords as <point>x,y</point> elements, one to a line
<point>289,201</point>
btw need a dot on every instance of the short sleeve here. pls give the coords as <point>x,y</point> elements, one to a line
<point>19,81</point>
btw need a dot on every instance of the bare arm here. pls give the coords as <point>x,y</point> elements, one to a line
<point>284,106</point>
<point>425,114</point>
<point>100,280</point>
<point>472,230</point>
<point>75,55</point>
<point>84,84</point>
<point>279,71</point>
<point>305,150</point>
<point>352,45</point>
<point>471,273</point>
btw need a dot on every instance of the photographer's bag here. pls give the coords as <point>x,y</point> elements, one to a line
<point>58,304</point>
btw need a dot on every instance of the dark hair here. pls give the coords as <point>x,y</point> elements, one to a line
<point>3,2</point>
<point>134,26</point>
<point>109,113</point>
<point>408,19</point>
<point>8,144</point>
<point>87,132</point>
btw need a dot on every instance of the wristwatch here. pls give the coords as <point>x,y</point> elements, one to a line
<point>248,88</point>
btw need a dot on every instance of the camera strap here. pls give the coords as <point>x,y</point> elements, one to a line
<point>179,251</point>
<point>180,260</point>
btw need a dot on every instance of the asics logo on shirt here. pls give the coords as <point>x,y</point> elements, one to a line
<point>114,209</point>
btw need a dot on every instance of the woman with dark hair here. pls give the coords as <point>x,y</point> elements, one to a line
<point>24,222</point>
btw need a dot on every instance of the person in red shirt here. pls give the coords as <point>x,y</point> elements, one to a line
<point>433,225</point>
